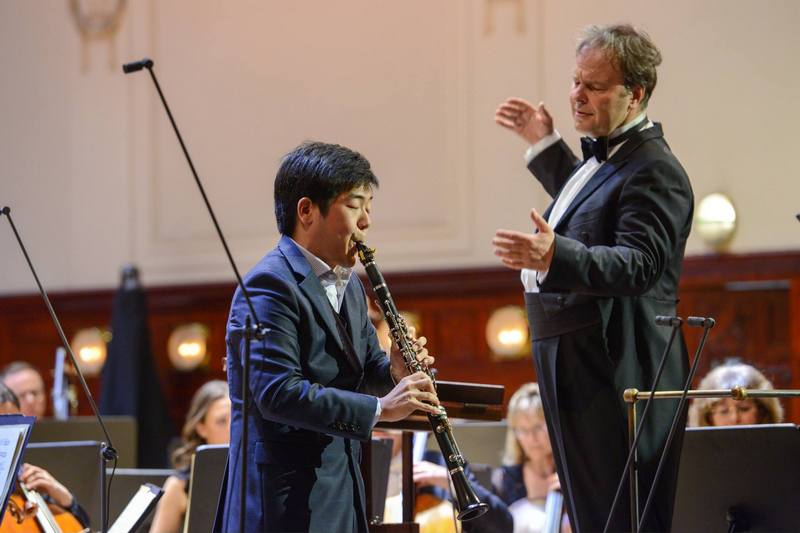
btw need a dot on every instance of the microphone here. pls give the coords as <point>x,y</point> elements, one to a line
<point>669,321</point>
<point>136,66</point>
<point>701,322</point>
<point>6,210</point>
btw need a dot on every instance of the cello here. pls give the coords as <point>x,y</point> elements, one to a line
<point>28,512</point>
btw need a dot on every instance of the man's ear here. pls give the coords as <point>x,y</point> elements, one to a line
<point>306,210</point>
<point>637,96</point>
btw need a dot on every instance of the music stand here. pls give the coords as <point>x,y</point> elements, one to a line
<point>78,465</point>
<point>376,462</point>
<point>205,482</point>
<point>137,510</point>
<point>126,484</point>
<point>753,471</point>
<point>122,429</point>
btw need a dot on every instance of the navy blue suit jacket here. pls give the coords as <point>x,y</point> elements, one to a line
<point>311,403</point>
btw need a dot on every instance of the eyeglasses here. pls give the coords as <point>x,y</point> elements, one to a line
<point>529,431</point>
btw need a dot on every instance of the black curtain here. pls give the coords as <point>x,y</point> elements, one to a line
<point>130,384</point>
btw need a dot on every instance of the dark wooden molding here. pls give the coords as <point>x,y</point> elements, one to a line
<point>721,268</point>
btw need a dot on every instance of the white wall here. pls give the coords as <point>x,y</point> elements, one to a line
<point>95,177</point>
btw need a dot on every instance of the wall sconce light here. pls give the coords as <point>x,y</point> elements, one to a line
<point>186,346</point>
<point>716,221</point>
<point>89,346</point>
<point>507,333</point>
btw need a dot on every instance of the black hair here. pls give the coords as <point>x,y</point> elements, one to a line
<point>321,172</point>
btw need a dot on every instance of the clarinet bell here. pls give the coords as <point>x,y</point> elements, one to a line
<point>469,506</point>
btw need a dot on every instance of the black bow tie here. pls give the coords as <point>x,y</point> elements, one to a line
<point>599,147</point>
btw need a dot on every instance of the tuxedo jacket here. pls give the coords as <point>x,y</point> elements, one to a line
<point>313,401</point>
<point>619,247</point>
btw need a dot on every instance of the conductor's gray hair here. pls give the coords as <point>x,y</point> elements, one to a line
<point>630,50</point>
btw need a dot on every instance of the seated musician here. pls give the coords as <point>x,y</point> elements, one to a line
<point>39,479</point>
<point>731,412</point>
<point>527,475</point>
<point>27,384</point>
<point>207,422</point>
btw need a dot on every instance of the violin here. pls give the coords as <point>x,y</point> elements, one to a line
<point>27,512</point>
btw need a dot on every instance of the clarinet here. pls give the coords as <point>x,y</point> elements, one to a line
<point>467,502</point>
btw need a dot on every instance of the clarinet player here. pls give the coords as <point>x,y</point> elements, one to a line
<point>319,379</point>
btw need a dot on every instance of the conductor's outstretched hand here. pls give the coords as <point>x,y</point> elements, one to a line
<point>530,122</point>
<point>520,250</point>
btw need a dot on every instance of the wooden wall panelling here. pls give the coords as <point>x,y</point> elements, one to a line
<point>752,323</point>
<point>759,322</point>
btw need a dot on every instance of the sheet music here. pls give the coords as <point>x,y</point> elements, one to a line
<point>12,438</point>
<point>137,509</point>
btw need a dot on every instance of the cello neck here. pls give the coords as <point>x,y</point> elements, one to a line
<point>44,517</point>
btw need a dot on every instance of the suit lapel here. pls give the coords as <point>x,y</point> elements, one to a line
<point>351,300</point>
<point>602,174</point>
<point>606,170</point>
<point>348,325</point>
<point>311,287</point>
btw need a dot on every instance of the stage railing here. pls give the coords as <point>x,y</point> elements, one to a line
<point>633,396</point>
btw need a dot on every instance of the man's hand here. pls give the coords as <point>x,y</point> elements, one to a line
<point>398,365</point>
<point>520,250</point>
<point>41,481</point>
<point>411,393</point>
<point>529,122</point>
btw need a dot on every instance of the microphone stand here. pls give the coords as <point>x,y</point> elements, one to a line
<point>253,329</point>
<point>694,321</point>
<point>107,448</point>
<point>674,322</point>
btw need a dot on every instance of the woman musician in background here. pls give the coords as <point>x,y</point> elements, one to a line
<point>207,422</point>
<point>527,482</point>
<point>731,412</point>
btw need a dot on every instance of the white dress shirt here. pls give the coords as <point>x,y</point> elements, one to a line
<point>334,280</point>
<point>532,278</point>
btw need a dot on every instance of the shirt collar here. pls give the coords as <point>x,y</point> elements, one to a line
<point>625,127</point>
<point>321,269</point>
